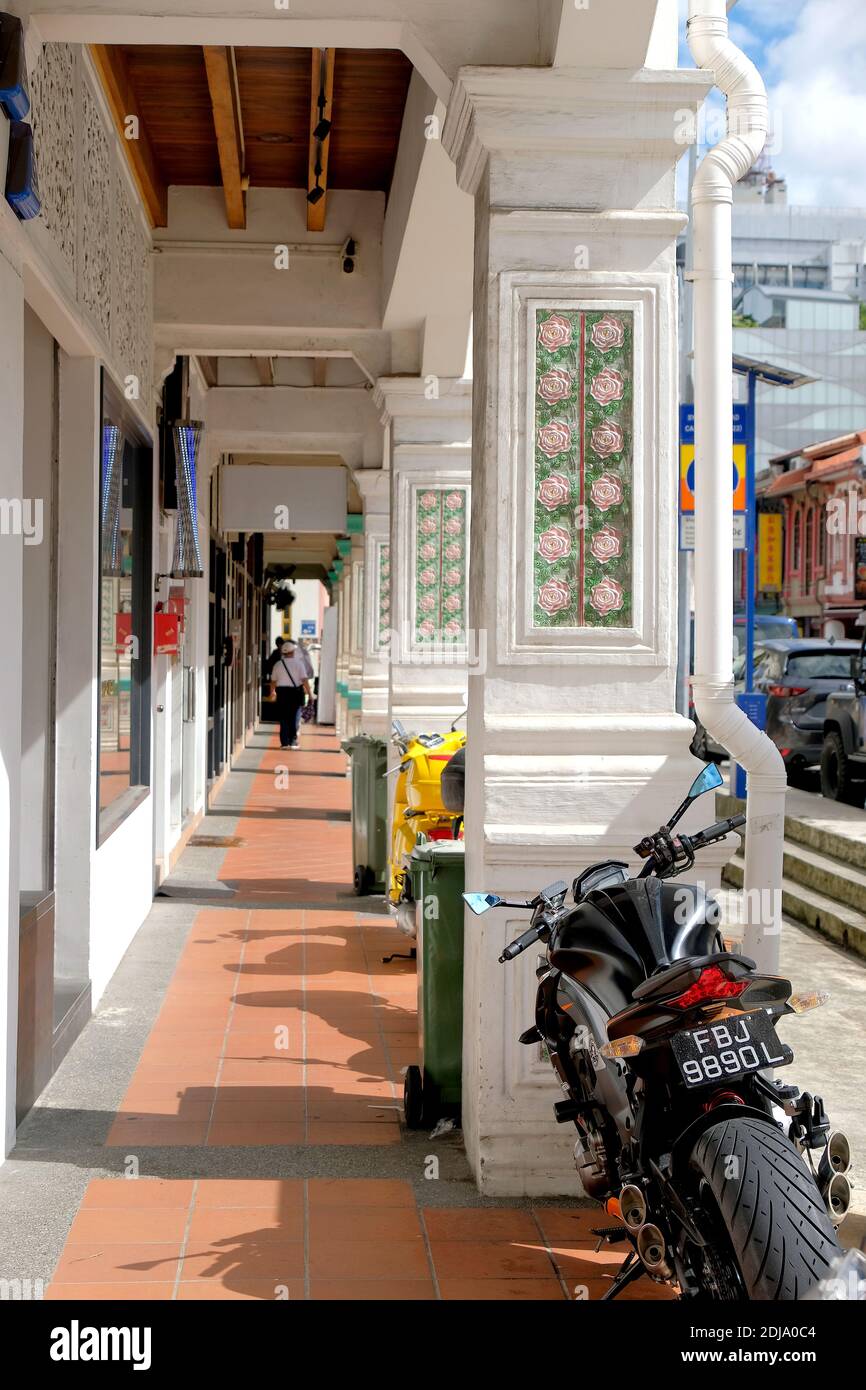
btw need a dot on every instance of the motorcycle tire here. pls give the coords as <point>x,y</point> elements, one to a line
<point>413,1098</point>
<point>781,1236</point>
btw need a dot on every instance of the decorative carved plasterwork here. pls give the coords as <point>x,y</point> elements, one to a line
<point>52,94</point>
<point>94,278</point>
<point>89,213</point>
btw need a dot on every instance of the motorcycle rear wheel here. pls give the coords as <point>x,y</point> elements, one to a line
<point>781,1238</point>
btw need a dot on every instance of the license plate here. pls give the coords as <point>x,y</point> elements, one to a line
<point>728,1049</point>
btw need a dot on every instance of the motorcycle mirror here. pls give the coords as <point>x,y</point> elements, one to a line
<point>706,781</point>
<point>397,728</point>
<point>481,902</point>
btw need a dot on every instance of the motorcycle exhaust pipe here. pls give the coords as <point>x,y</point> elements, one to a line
<point>837,1196</point>
<point>632,1205</point>
<point>836,1158</point>
<point>652,1251</point>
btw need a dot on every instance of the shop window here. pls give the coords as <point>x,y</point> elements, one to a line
<point>822,538</point>
<point>125,507</point>
<point>772,275</point>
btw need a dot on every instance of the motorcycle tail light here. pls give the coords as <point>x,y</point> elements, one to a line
<point>629,1046</point>
<point>808,999</point>
<point>711,984</point>
<point>785,691</point>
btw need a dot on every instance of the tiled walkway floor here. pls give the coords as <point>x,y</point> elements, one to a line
<point>283,1027</point>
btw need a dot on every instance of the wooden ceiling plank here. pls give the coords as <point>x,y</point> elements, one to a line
<point>322,79</point>
<point>266,369</point>
<point>219,64</point>
<point>110,64</point>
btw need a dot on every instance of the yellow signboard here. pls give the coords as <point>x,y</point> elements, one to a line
<point>769,551</point>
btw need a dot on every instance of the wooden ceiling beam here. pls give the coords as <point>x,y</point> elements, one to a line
<point>110,64</point>
<point>265,369</point>
<point>209,369</point>
<point>222,83</point>
<point>322,80</point>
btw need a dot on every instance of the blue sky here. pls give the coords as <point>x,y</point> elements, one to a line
<point>812,56</point>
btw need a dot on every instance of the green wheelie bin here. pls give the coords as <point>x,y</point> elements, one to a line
<point>433,1090</point>
<point>369,760</point>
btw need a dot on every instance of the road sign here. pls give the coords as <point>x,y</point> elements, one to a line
<point>308,627</point>
<point>739,435</point>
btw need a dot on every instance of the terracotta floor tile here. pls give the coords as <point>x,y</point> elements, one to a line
<point>481,1224</point>
<point>275,1194</point>
<point>571,1223</point>
<point>359,1192</point>
<point>139,1291</point>
<point>462,1259</point>
<point>100,1263</point>
<point>501,1290</point>
<point>250,1112</point>
<point>147,1110</point>
<point>255,1225</point>
<point>229,1259</point>
<point>332,1224</point>
<point>132,1225</point>
<point>369,1259</point>
<point>262,1290</point>
<point>109,1193</point>
<point>372,1290</point>
<point>253,1133</point>
<point>150,1133</point>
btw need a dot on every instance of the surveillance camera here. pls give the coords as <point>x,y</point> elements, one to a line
<point>348,253</point>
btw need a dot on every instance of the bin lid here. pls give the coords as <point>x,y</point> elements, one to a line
<point>359,741</point>
<point>439,852</point>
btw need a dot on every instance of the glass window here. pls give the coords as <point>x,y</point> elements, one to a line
<point>125,613</point>
<point>772,275</point>
<point>822,665</point>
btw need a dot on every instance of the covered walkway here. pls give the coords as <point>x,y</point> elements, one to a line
<point>228,1125</point>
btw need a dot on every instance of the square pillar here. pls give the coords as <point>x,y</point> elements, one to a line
<point>355,667</point>
<point>11,674</point>
<point>374,485</point>
<point>574,747</point>
<point>429,645</point>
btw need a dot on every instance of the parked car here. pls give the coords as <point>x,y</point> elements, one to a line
<point>796,676</point>
<point>768,626</point>
<point>843,752</point>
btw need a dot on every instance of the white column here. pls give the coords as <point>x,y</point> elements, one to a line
<point>341,598</point>
<point>374,485</point>
<point>575,750</point>
<point>11,675</point>
<point>355,667</point>
<point>430,644</point>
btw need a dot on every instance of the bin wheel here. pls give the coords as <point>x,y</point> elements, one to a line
<point>413,1098</point>
<point>364,878</point>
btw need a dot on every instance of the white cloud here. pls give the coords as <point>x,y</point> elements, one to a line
<point>819,104</point>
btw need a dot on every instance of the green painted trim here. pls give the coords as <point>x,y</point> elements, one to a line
<point>342,689</point>
<point>332,575</point>
<point>344,548</point>
<point>355,524</point>
<point>354,698</point>
<point>338,568</point>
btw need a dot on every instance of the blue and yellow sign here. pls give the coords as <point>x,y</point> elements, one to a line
<point>687,459</point>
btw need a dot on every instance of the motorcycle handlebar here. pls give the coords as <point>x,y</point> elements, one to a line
<point>716,832</point>
<point>521,943</point>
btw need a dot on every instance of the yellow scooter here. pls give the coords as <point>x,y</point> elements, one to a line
<point>418,809</point>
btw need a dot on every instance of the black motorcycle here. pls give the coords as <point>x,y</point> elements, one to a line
<point>664,1044</point>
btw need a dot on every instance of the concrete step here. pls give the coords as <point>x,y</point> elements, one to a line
<point>839,836</point>
<point>836,920</point>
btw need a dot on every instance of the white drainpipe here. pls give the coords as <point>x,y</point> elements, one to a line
<point>712,199</point>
